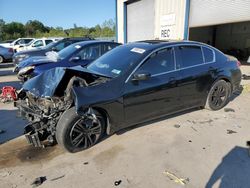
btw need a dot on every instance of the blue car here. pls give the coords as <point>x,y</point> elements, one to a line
<point>81,53</point>
<point>5,54</point>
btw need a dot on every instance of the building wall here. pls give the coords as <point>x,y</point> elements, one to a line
<point>165,8</point>
<point>169,18</point>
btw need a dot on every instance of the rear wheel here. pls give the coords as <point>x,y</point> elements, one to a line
<point>1,59</point>
<point>75,133</point>
<point>218,95</point>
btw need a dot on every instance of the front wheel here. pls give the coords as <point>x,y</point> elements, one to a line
<point>75,133</point>
<point>218,95</point>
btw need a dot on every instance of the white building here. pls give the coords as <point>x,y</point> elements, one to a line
<point>224,24</point>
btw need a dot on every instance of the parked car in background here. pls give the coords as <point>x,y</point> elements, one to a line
<point>130,84</point>
<point>6,54</point>
<point>81,53</point>
<point>53,46</point>
<point>18,43</point>
<point>37,43</point>
<point>6,43</point>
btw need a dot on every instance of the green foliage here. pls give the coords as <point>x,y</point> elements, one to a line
<point>35,28</point>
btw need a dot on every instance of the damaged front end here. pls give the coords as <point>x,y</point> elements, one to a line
<point>44,98</point>
<point>42,114</point>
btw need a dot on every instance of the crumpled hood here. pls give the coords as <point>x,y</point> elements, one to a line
<point>37,60</point>
<point>45,84</point>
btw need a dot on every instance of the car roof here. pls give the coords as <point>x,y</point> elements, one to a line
<point>78,38</point>
<point>154,44</point>
<point>87,42</point>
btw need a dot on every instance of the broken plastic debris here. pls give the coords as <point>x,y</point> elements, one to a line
<point>229,110</point>
<point>118,182</point>
<point>248,144</point>
<point>38,181</point>
<point>177,126</point>
<point>229,131</point>
<point>57,178</point>
<point>245,77</point>
<point>182,181</point>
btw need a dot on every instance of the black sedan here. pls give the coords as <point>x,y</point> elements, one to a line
<point>54,46</point>
<point>128,85</point>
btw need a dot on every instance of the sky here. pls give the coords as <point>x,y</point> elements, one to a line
<point>62,13</point>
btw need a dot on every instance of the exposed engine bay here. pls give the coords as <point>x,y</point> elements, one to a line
<point>43,112</point>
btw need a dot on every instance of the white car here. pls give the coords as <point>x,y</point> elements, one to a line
<point>37,43</point>
<point>18,43</point>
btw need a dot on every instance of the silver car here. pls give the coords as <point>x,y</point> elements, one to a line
<point>6,54</point>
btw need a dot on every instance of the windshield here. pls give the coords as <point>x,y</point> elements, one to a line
<point>116,61</point>
<point>66,52</point>
<point>49,46</point>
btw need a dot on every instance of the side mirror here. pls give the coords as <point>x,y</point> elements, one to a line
<point>75,59</point>
<point>141,76</point>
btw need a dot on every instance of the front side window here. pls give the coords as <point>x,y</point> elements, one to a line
<point>59,46</point>
<point>189,56</point>
<point>90,52</point>
<point>48,41</point>
<point>159,62</point>
<point>38,43</point>
<point>208,54</point>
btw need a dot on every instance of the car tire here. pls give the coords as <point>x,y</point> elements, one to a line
<point>74,133</point>
<point>218,95</point>
<point>1,59</point>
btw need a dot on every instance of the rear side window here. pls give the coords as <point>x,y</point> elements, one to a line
<point>26,41</point>
<point>208,55</point>
<point>160,62</point>
<point>189,56</point>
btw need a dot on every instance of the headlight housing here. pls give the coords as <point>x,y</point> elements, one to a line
<point>22,57</point>
<point>26,70</point>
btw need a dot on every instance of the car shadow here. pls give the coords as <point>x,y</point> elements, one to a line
<point>10,126</point>
<point>233,171</point>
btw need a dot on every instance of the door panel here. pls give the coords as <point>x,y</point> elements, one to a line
<point>151,98</point>
<point>146,99</point>
<point>194,74</point>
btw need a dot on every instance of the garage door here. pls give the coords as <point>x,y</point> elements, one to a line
<point>213,12</point>
<point>140,20</point>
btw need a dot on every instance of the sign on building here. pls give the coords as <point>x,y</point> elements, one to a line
<point>167,24</point>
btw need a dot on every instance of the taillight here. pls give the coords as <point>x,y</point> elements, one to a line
<point>238,63</point>
<point>11,50</point>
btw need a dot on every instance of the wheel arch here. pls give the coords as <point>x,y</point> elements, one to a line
<point>105,114</point>
<point>226,79</point>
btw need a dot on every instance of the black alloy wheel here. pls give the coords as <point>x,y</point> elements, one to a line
<point>218,95</point>
<point>75,133</point>
<point>85,132</point>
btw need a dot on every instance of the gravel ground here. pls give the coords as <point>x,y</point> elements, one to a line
<point>195,149</point>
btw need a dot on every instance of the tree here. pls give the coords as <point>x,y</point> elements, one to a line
<point>33,26</point>
<point>13,30</point>
<point>2,23</point>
